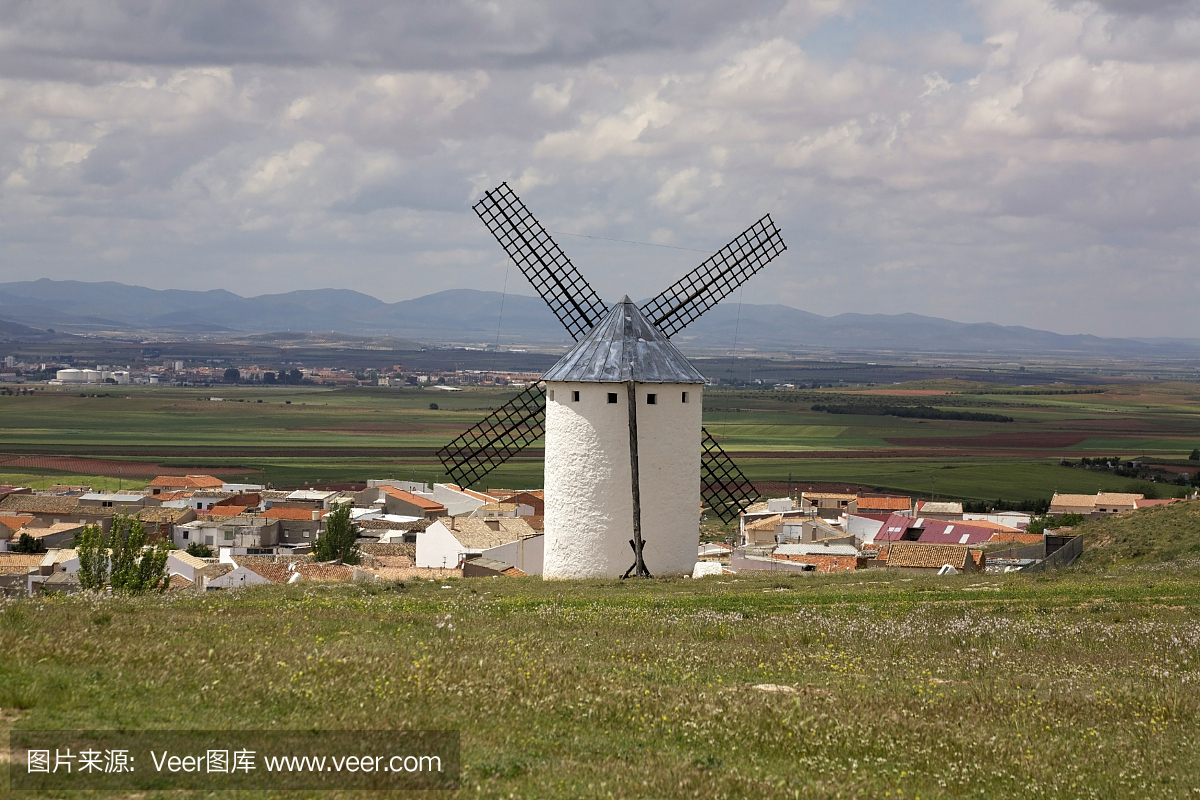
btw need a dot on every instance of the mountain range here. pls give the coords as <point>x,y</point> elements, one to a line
<point>478,318</point>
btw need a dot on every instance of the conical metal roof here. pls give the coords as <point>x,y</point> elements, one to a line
<point>624,346</point>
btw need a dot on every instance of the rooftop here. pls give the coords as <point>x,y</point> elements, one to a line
<point>928,556</point>
<point>624,346</point>
<point>188,481</point>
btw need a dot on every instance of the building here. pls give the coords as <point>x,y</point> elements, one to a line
<point>407,504</point>
<point>825,556</point>
<point>176,483</point>
<point>450,541</point>
<point>879,504</point>
<point>931,559</point>
<point>595,439</point>
<point>297,526</point>
<point>938,510</point>
<point>1098,504</point>
<point>827,505</point>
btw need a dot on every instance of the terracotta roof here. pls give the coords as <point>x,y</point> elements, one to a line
<point>416,500</point>
<point>512,572</point>
<point>39,503</point>
<point>300,514</point>
<point>223,511</point>
<point>189,481</point>
<point>885,503</point>
<point>536,522</point>
<point>1118,498</point>
<point>1016,538</point>
<point>929,556</point>
<point>15,522</point>
<point>1149,503</point>
<point>179,583</point>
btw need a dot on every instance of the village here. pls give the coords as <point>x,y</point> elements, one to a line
<point>228,536</point>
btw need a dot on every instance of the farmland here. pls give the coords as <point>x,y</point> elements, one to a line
<point>291,435</point>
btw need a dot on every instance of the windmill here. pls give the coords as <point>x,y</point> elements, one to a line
<point>625,449</point>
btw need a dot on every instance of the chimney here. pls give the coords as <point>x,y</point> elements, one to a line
<point>316,516</point>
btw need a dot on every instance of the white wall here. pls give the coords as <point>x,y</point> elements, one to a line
<point>236,579</point>
<point>864,528</point>
<point>437,547</point>
<point>527,555</point>
<point>589,507</point>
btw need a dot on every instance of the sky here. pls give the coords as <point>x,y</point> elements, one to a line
<point>1016,161</point>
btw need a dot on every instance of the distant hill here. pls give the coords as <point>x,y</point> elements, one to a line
<point>471,317</point>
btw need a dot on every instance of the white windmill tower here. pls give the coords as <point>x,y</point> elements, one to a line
<point>627,461</point>
<point>622,412</point>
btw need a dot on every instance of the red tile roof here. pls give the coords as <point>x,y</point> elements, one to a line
<point>412,499</point>
<point>189,481</point>
<point>885,503</point>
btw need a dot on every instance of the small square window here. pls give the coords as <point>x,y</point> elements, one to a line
<point>574,397</point>
<point>651,399</point>
<point>612,397</point>
<point>685,397</point>
<point>551,394</point>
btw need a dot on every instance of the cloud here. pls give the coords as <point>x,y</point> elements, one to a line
<point>982,164</point>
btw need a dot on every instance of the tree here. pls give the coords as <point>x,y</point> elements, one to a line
<point>1195,456</point>
<point>232,375</point>
<point>92,545</point>
<point>337,543</point>
<point>433,406</point>
<point>27,544</point>
<point>122,559</point>
<point>199,550</point>
<point>1039,525</point>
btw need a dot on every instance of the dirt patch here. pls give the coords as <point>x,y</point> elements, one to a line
<point>1047,441</point>
<point>105,467</point>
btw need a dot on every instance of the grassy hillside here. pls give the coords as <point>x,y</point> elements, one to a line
<point>1152,535</point>
<point>1064,686</point>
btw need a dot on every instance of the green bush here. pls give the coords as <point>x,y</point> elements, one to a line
<point>199,550</point>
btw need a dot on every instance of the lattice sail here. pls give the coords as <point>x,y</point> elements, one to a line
<point>705,286</point>
<point>541,260</point>
<point>501,435</point>
<point>723,487</point>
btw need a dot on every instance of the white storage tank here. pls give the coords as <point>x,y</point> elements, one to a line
<point>70,376</point>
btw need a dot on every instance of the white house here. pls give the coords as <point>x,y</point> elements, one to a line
<point>448,541</point>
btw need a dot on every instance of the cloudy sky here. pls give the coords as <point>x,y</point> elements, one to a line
<point>1018,161</point>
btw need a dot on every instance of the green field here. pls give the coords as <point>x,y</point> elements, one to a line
<point>1066,686</point>
<point>316,435</point>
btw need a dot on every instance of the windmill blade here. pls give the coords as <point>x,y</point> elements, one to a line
<point>501,435</point>
<point>709,283</point>
<point>541,260</point>
<point>723,487</point>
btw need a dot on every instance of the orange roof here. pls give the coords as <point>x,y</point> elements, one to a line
<point>409,497</point>
<point>885,503</point>
<point>290,513</point>
<point>224,511</point>
<point>15,522</point>
<point>1016,537</point>
<point>983,523</point>
<point>189,481</point>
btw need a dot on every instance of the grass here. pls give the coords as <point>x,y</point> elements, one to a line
<point>1152,536</point>
<point>1071,685</point>
<point>305,435</point>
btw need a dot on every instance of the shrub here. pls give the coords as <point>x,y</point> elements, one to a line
<point>199,550</point>
<point>337,543</point>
